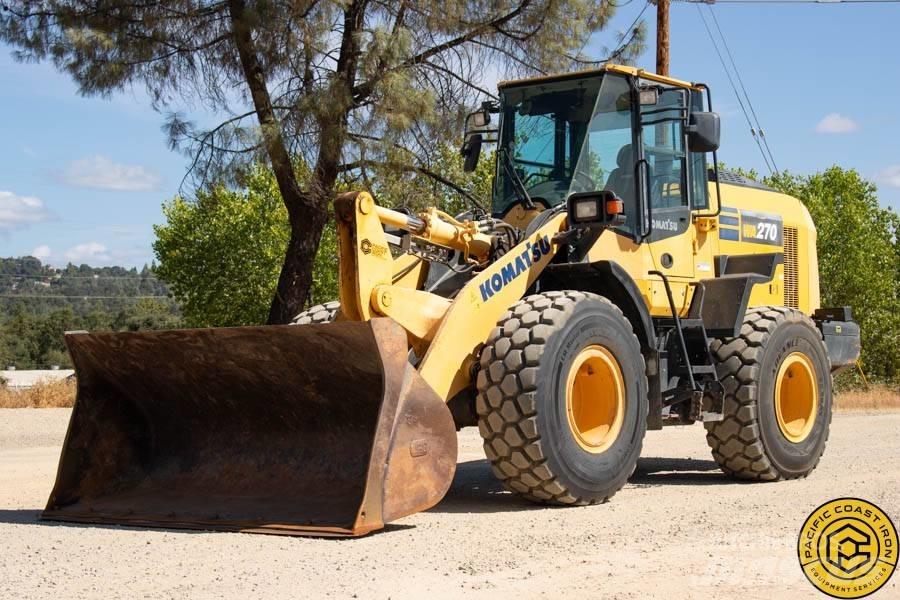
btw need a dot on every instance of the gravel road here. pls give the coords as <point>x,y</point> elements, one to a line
<point>679,529</point>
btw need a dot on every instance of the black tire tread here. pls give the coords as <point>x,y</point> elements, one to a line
<point>736,442</point>
<point>506,403</point>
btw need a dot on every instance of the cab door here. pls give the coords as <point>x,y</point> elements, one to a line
<point>671,237</point>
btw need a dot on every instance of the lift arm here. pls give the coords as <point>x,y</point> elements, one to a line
<point>447,333</point>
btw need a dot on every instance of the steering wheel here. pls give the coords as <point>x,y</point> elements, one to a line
<point>549,187</point>
<point>532,175</point>
<point>584,180</point>
<point>657,186</point>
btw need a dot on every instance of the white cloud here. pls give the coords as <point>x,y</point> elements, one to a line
<point>18,212</point>
<point>90,252</point>
<point>42,252</point>
<point>890,176</point>
<point>836,123</point>
<point>99,172</point>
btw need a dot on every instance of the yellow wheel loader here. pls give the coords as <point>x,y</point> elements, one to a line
<point>620,282</point>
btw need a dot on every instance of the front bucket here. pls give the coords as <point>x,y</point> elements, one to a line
<point>303,430</point>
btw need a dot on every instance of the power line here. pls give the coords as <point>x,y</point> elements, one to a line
<point>733,87</point>
<point>761,140</point>
<point>85,297</point>
<point>740,79</point>
<point>626,39</point>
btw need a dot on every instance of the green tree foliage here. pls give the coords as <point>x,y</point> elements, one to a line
<point>445,185</point>
<point>145,314</point>
<point>221,253</point>
<point>41,305</point>
<point>348,85</point>
<point>859,262</point>
<point>82,287</point>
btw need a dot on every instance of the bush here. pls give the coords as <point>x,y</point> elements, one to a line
<point>859,261</point>
<point>45,394</point>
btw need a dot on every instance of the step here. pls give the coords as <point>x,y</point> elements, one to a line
<point>685,323</point>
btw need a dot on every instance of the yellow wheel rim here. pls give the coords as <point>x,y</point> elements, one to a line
<point>796,397</point>
<point>595,399</point>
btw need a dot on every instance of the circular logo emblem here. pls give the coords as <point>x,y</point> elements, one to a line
<point>848,548</point>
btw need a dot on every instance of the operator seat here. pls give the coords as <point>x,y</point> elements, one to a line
<point>621,181</point>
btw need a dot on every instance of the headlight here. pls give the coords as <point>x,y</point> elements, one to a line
<point>594,208</point>
<point>587,209</point>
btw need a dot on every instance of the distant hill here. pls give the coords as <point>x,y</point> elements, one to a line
<point>42,288</point>
<point>38,303</point>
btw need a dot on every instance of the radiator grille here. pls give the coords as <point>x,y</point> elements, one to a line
<point>791,298</point>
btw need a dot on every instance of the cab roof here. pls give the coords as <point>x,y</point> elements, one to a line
<point>625,70</point>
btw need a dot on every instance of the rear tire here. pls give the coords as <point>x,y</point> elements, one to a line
<point>552,359</point>
<point>777,383</point>
<point>320,313</point>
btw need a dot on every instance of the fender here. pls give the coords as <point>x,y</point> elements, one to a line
<point>606,278</point>
<point>609,279</point>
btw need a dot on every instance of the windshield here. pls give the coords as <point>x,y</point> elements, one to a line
<point>565,137</point>
<point>542,130</point>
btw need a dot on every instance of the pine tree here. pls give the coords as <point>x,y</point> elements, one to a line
<point>342,84</point>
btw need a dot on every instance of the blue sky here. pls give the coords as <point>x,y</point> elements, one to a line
<point>83,179</point>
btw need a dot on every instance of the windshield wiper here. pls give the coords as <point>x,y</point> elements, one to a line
<point>518,186</point>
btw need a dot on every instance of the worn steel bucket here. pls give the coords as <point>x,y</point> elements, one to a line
<point>302,430</point>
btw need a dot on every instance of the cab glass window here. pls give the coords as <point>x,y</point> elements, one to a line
<point>699,191</point>
<point>607,157</point>
<point>542,129</point>
<point>663,143</point>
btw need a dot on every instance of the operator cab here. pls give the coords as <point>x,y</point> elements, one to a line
<point>617,129</point>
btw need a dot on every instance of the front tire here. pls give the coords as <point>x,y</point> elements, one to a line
<point>778,397</point>
<point>562,398</point>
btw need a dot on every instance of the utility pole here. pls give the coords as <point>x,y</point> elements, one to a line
<point>662,37</point>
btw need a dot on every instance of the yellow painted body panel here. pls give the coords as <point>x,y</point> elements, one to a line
<point>448,334</point>
<point>795,217</point>
<point>695,250</point>
<point>519,216</point>
<point>639,259</point>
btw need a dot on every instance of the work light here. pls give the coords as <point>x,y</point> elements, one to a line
<point>594,208</point>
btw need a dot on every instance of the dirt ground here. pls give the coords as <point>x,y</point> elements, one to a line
<point>679,529</point>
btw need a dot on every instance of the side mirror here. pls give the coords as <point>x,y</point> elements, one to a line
<point>704,129</point>
<point>479,119</point>
<point>471,151</point>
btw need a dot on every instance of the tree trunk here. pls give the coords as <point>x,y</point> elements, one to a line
<point>307,211</point>
<point>295,281</point>
<point>307,225</point>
